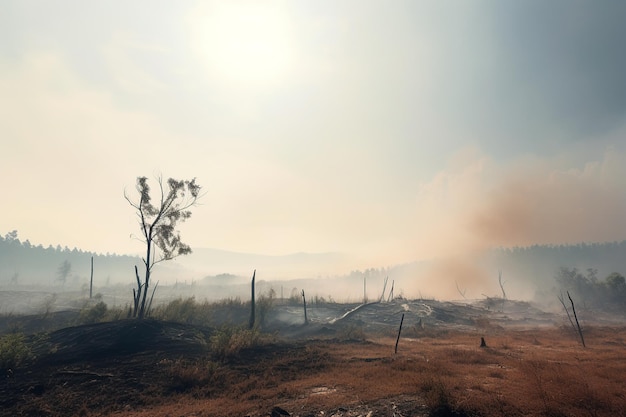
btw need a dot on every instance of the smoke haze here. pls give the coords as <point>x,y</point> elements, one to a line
<point>386,134</point>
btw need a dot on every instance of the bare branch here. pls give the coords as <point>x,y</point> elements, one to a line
<point>459,290</point>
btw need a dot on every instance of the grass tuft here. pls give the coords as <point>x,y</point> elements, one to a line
<point>14,351</point>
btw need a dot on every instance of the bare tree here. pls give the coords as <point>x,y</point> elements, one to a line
<point>157,223</point>
<point>63,271</point>
<point>501,285</point>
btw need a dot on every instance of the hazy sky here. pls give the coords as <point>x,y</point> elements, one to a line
<point>392,130</point>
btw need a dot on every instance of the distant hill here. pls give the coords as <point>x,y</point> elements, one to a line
<point>296,265</point>
<point>526,270</point>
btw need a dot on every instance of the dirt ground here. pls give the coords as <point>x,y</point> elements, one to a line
<point>342,363</point>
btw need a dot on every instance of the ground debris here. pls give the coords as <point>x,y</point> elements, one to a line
<point>402,406</point>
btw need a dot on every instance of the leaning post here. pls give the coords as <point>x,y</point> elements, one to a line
<point>399,331</point>
<point>252,304</point>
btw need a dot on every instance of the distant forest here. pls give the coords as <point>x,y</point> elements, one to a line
<point>22,263</point>
<point>541,264</point>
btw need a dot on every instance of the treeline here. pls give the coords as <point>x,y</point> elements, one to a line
<point>535,267</point>
<point>22,263</point>
<point>607,293</point>
<point>540,264</point>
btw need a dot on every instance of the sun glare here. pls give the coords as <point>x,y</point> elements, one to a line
<point>245,43</point>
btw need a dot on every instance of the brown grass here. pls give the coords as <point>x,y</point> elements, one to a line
<point>542,372</point>
<point>521,373</point>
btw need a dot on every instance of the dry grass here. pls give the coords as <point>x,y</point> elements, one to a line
<point>521,373</point>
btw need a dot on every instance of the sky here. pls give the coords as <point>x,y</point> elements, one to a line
<point>391,131</point>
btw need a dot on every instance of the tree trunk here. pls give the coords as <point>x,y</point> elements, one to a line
<point>306,320</point>
<point>91,281</point>
<point>142,308</point>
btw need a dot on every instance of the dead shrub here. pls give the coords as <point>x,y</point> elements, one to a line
<point>184,376</point>
<point>436,392</point>
<point>469,356</point>
<point>351,332</point>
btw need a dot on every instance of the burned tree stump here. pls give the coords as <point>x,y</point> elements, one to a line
<point>279,412</point>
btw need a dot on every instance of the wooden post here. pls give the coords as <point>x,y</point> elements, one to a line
<point>382,296</point>
<point>252,305</point>
<point>91,281</point>
<point>399,331</point>
<point>306,320</point>
<point>364,290</point>
<point>391,291</point>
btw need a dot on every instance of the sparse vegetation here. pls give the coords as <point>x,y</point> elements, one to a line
<point>14,350</point>
<point>93,314</point>
<point>264,304</point>
<point>351,332</point>
<point>229,341</point>
<point>608,294</point>
<point>351,370</point>
<point>186,375</point>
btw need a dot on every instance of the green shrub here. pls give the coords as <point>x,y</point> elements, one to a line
<point>229,341</point>
<point>14,350</point>
<point>93,314</point>
<point>186,310</point>
<point>179,310</point>
<point>263,305</point>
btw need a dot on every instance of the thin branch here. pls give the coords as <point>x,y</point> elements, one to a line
<point>580,331</point>
<point>459,290</point>
<point>561,299</point>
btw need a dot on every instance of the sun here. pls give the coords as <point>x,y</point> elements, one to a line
<point>247,43</point>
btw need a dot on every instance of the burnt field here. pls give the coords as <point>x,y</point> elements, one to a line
<point>341,363</point>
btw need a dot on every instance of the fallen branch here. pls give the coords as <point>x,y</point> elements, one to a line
<point>87,373</point>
